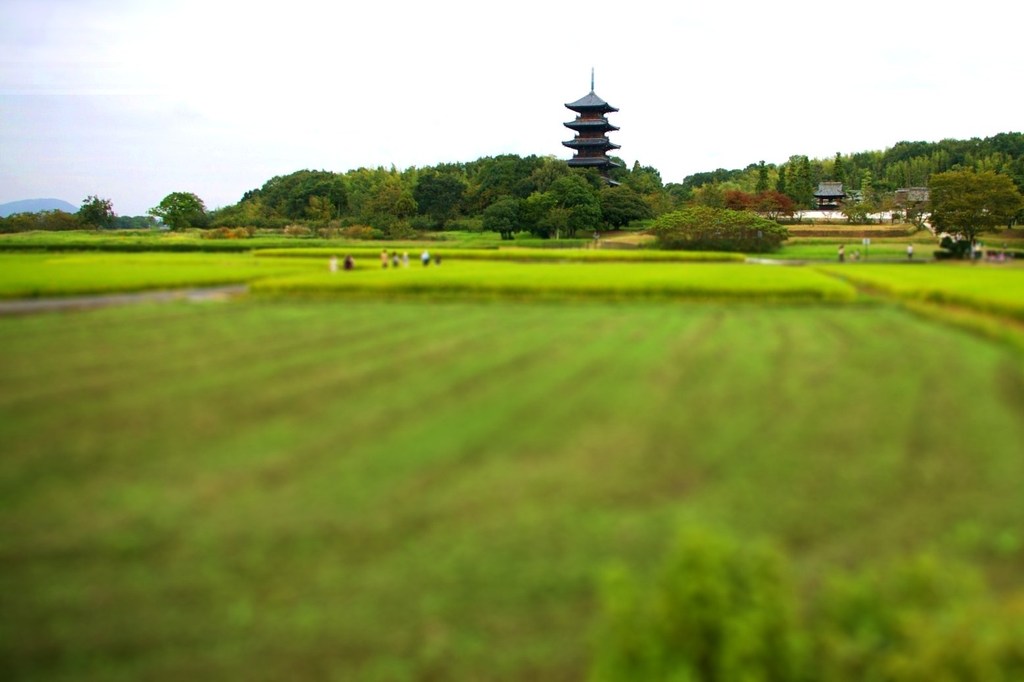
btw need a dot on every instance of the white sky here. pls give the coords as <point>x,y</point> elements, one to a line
<point>134,99</point>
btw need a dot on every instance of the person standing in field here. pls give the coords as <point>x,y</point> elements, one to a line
<point>910,252</point>
<point>425,257</point>
<point>405,259</point>
<point>349,262</point>
<point>842,253</point>
<point>332,265</point>
<point>384,258</point>
<point>394,259</point>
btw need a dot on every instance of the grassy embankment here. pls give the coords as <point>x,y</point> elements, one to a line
<point>376,491</point>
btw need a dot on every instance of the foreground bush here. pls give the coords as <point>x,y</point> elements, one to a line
<point>717,610</point>
<point>703,228</point>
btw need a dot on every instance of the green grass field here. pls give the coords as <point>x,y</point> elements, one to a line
<point>587,280</point>
<point>374,490</point>
<point>513,254</point>
<point>192,241</point>
<point>421,473</point>
<point>988,288</point>
<point>879,249</point>
<point>26,275</point>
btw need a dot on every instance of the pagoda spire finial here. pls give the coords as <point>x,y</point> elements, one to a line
<point>591,78</point>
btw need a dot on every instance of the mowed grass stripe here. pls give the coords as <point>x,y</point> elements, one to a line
<point>529,405</point>
<point>255,386</point>
<point>233,342</point>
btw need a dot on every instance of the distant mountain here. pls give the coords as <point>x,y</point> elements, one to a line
<point>35,206</point>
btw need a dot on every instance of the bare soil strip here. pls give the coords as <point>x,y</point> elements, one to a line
<point>37,305</point>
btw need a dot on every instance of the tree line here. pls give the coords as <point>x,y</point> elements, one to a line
<point>506,193</point>
<point>544,196</point>
<point>873,176</point>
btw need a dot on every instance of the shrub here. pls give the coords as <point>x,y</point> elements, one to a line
<point>715,611</point>
<point>702,228</point>
<point>953,248</point>
<point>227,233</point>
<point>718,610</point>
<point>422,223</point>
<point>298,231</point>
<point>466,225</point>
<point>922,619</point>
<point>401,229</point>
<point>361,232</point>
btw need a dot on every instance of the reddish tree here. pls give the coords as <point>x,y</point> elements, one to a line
<point>738,200</point>
<point>772,204</point>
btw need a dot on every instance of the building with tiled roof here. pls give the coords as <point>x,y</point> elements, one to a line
<point>830,195</point>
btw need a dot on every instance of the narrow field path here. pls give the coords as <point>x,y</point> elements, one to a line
<point>24,306</point>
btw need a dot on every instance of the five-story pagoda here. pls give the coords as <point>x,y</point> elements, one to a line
<point>591,143</point>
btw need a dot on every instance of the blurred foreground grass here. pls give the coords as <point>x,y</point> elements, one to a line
<point>380,491</point>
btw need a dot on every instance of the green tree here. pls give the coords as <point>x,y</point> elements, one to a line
<point>181,210</point>
<point>534,214</point>
<point>762,178</point>
<point>96,213</point>
<point>868,196</point>
<point>711,195</point>
<point>390,202</point>
<point>492,178</point>
<point>838,169</point>
<point>780,183</point>
<point>503,216</point>
<point>549,170</point>
<point>966,203</point>
<point>290,196</point>
<point>801,183</point>
<point>621,205</point>
<point>644,179</point>
<point>438,195</point>
<point>574,194</point>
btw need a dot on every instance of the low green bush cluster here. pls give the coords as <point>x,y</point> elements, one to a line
<point>361,232</point>
<point>228,233</point>
<point>703,228</point>
<point>718,610</point>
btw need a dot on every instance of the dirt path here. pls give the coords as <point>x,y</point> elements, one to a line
<point>24,306</point>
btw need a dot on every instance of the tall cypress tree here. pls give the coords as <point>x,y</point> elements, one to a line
<point>780,184</point>
<point>838,170</point>
<point>762,178</point>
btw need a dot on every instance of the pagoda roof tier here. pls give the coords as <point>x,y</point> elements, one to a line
<point>600,124</point>
<point>592,161</point>
<point>591,102</point>
<point>591,143</point>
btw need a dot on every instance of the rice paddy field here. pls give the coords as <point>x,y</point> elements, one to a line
<point>413,484</point>
<point>30,275</point>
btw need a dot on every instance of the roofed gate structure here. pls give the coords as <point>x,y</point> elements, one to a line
<point>591,143</point>
<point>830,195</point>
